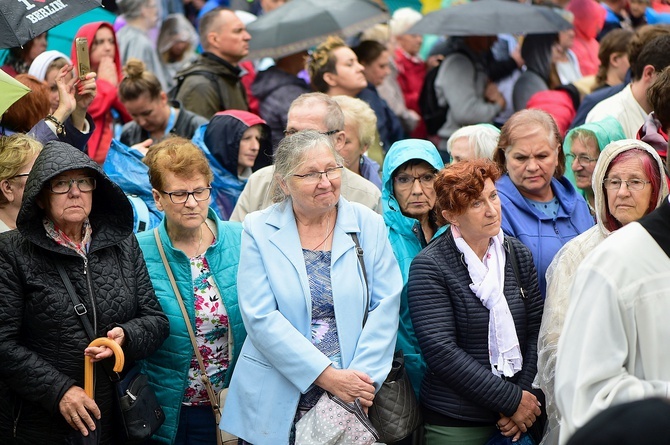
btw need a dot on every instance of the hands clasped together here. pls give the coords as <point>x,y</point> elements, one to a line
<point>524,417</point>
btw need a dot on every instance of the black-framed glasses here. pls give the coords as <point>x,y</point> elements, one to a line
<point>634,185</point>
<point>290,131</point>
<point>20,175</point>
<point>181,196</point>
<point>63,186</point>
<point>582,160</point>
<point>406,181</point>
<point>313,178</point>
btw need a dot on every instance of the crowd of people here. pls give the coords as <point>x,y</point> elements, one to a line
<point>312,220</point>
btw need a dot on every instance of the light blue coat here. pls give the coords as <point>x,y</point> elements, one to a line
<point>278,362</point>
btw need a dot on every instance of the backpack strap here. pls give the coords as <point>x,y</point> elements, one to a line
<point>213,78</point>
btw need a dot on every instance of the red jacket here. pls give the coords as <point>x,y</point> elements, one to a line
<point>589,20</point>
<point>411,73</point>
<point>105,100</point>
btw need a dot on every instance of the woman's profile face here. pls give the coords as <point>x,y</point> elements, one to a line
<point>72,207</point>
<point>348,74</point>
<point>531,162</point>
<point>378,69</point>
<point>250,144</point>
<point>352,150</point>
<point>314,198</point>
<point>413,189</point>
<point>624,204</point>
<point>18,182</point>
<point>482,219</point>
<point>187,215</point>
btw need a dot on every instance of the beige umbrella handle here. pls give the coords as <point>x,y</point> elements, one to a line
<point>88,365</point>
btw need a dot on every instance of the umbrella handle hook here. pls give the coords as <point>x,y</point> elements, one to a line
<point>88,365</point>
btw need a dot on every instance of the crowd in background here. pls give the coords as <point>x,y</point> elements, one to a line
<point>318,216</point>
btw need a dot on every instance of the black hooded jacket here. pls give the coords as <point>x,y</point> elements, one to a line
<point>42,340</point>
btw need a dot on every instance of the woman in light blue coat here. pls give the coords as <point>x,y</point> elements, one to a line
<point>303,296</point>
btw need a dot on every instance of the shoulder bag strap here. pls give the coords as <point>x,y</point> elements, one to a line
<point>515,267</point>
<point>208,385</point>
<point>359,253</point>
<point>79,308</point>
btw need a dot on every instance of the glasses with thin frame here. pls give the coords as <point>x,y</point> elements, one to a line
<point>63,186</point>
<point>181,196</point>
<point>291,131</point>
<point>20,175</point>
<point>582,160</point>
<point>313,178</point>
<point>634,185</point>
<point>406,181</point>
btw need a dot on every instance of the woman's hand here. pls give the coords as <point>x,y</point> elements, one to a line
<point>527,411</point>
<point>347,384</point>
<point>76,407</point>
<point>85,91</point>
<point>98,353</point>
<point>508,428</point>
<point>107,71</point>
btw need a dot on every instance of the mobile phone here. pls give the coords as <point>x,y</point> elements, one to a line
<point>83,61</point>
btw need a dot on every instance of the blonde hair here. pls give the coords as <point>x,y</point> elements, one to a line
<point>15,152</point>
<point>137,81</point>
<point>359,113</point>
<point>322,61</point>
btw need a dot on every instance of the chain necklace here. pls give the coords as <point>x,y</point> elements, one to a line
<point>329,230</point>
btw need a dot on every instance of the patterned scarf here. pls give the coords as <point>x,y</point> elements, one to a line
<point>55,233</point>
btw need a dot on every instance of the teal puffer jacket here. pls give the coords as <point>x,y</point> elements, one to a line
<point>167,369</point>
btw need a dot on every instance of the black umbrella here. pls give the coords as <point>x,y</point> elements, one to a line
<point>301,24</point>
<point>491,17</point>
<point>23,20</point>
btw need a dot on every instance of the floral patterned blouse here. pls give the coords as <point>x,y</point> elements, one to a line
<point>211,332</point>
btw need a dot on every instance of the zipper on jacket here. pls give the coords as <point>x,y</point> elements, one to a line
<point>16,419</point>
<point>91,298</point>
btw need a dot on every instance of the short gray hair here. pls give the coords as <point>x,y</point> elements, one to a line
<point>334,118</point>
<point>403,19</point>
<point>483,138</point>
<point>132,9</point>
<point>290,155</point>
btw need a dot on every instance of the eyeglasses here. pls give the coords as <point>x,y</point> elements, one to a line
<point>634,185</point>
<point>582,160</point>
<point>181,196</point>
<point>20,175</point>
<point>407,181</point>
<point>290,131</point>
<point>313,178</point>
<point>62,186</point>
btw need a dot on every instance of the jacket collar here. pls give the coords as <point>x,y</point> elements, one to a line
<point>234,69</point>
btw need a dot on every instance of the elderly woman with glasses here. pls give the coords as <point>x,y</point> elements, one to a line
<point>582,147</point>
<point>304,295</point>
<point>202,252</point>
<point>629,181</point>
<point>408,200</point>
<point>74,247</point>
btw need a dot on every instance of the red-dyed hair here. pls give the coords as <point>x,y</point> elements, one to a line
<point>649,168</point>
<point>31,108</point>
<point>458,185</point>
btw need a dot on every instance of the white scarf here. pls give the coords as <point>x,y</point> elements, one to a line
<point>488,279</point>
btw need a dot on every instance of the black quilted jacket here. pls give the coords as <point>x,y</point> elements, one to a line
<point>42,340</point>
<point>451,325</point>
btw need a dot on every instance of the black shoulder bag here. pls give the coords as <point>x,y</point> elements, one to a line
<point>395,413</point>
<point>139,410</point>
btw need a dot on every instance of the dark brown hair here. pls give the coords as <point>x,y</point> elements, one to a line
<point>137,81</point>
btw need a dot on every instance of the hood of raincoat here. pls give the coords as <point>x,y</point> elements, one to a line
<point>605,131</point>
<point>399,153</point>
<point>111,214</point>
<point>89,31</point>
<point>224,133</point>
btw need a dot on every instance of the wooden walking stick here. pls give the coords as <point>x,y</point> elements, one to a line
<point>88,365</point>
